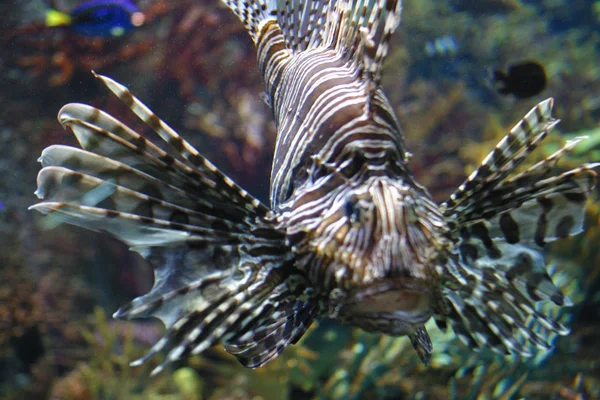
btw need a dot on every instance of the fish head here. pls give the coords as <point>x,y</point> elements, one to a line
<point>377,247</point>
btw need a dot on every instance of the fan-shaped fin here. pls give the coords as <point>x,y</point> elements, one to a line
<point>222,268</point>
<point>500,226</point>
<point>280,329</point>
<point>522,139</point>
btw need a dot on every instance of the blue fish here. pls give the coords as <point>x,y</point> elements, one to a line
<point>99,18</point>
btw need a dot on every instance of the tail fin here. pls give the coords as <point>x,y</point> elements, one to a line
<point>500,226</point>
<point>222,269</point>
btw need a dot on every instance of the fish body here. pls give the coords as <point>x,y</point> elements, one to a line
<point>99,18</point>
<point>522,80</point>
<point>348,234</point>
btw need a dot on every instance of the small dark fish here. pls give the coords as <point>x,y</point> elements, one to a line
<point>101,18</point>
<point>523,80</point>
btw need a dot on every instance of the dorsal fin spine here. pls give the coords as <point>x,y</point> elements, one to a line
<point>253,13</point>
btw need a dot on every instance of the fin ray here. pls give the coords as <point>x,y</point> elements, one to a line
<point>61,185</point>
<point>256,348</point>
<point>219,260</point>
<point>500,225</point>
<point>509,153</point>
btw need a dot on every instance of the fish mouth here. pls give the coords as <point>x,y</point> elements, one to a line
<point>395,306</point>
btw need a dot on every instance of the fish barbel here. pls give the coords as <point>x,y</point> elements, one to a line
<point>349,233</point>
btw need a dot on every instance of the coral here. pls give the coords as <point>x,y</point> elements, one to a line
<point>230,380</point>
<point>52,306</point>
<point>429,118</point>
<point>232,63</point>
<point>107,374</point>
<point>487,381</point>
<point>40,326</point>
<point>56,54</point>
<point>361,370</point>
<point>221,91</point>
<point>71,387</point>
<point>493,6</point>
<point>581,389</point>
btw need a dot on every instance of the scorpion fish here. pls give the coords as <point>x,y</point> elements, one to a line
<point>349,234</point>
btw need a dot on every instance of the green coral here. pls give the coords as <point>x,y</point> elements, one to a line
<point>108,375</point>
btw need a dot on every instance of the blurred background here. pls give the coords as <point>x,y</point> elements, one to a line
<point>460,74</point>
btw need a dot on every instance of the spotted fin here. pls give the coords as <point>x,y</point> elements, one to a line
<point>500,225</point>
<point>256,348</point>
<point>104,136</point>
<point>512,150</point>
<point>222,269</point>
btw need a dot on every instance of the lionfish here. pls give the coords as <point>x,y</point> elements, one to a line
<point>349,233</point>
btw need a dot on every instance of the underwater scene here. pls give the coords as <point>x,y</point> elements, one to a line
<point>302,199</point>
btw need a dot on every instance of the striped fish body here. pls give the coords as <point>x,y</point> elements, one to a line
<point>360,227</point>
<point>349,233</point>
<point>325,113</point>
<point>326,117</point>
